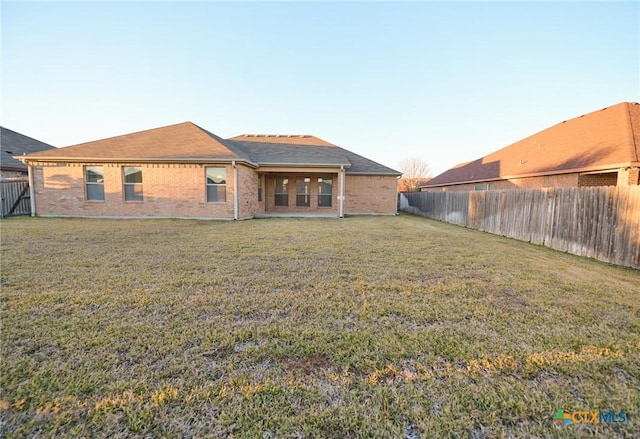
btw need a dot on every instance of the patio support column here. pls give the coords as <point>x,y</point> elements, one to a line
<point>235,190</point>
<point>32,192</point>
<point>341,191</point>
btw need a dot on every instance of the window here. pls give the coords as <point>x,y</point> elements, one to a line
<point>303,192</point>
<point>325,186</point>
<point>282,192</point>
<point>216,185</point>
<point>483,186</point>
<point>94,182</point>
<point>132,184</point>
<point>260,183</point>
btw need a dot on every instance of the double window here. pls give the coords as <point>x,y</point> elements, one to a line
<point>132,183</point>
<point>216,185</point>
<point>94,183</point>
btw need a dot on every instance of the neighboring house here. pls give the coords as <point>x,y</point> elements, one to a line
<point>16,144</point>
<point>597,149</point>
<point>14,186</point>
<point>184,171</point>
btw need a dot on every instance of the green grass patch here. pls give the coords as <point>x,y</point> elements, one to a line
<point>327,328</point>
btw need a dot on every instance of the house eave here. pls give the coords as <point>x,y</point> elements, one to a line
<point>609,167</point>
<point>189,160</point>
<point>390,174</point>
<point>302,165</point>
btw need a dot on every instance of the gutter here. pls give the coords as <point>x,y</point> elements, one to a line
<point>303,165</point>
<point>341,192</point>
<point>394,174</point>
<point>32,192</point>
<point>195,160</point>
<point>235,190</point>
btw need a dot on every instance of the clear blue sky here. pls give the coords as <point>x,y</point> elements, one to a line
<point>443,82</point>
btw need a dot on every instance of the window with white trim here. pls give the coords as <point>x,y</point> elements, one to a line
<point>132,182</point>
<point>216,185</point>
<point>94,183</point>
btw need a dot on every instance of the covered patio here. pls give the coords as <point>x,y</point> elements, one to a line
<point>317,192</point>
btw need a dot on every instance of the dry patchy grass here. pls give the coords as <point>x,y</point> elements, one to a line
<point>289,328</point>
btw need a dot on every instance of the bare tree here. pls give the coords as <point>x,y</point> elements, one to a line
<point>414,172</point>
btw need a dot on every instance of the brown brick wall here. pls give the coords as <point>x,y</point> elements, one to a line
<point>248,204</point>
<point>370,194</point>
<point>629,177</point>
<point>169,190</point>
<point>179,191</point>
<point>607,179</point>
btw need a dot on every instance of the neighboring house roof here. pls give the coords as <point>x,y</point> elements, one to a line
<point>605,139</point>
<point>189,142</point>
<point>16,144</point>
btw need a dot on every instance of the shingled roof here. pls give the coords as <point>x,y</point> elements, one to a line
<point>273,149</point>
<point>602,140</point>
<point>16,144</point>
<point>181,142</point>
<point>187,142</point>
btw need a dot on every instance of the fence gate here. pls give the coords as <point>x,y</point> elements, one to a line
<point>15,198</point>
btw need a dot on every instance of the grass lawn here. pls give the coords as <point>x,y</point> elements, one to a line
<point>397,327</point>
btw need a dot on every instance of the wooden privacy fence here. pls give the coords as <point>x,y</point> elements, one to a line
<point>598,222</point>
<point>15,198</point>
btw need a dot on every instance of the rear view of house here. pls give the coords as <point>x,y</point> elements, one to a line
<point>184,171</point>
<point>601,148</point>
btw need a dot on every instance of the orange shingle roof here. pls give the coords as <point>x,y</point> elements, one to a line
<point>184,141</point>
<point>605,139</point>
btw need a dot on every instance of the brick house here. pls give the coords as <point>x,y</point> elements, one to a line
<point>596,149</point>
<point>184,171</point>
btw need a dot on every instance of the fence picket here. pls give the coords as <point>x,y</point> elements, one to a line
<point>13,199</point>
<point>598,222</point>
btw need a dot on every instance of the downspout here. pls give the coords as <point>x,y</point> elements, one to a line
<point>235,190</point>
<point>341,190</point>
<point>32,192</point>
<point>398,195</point>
